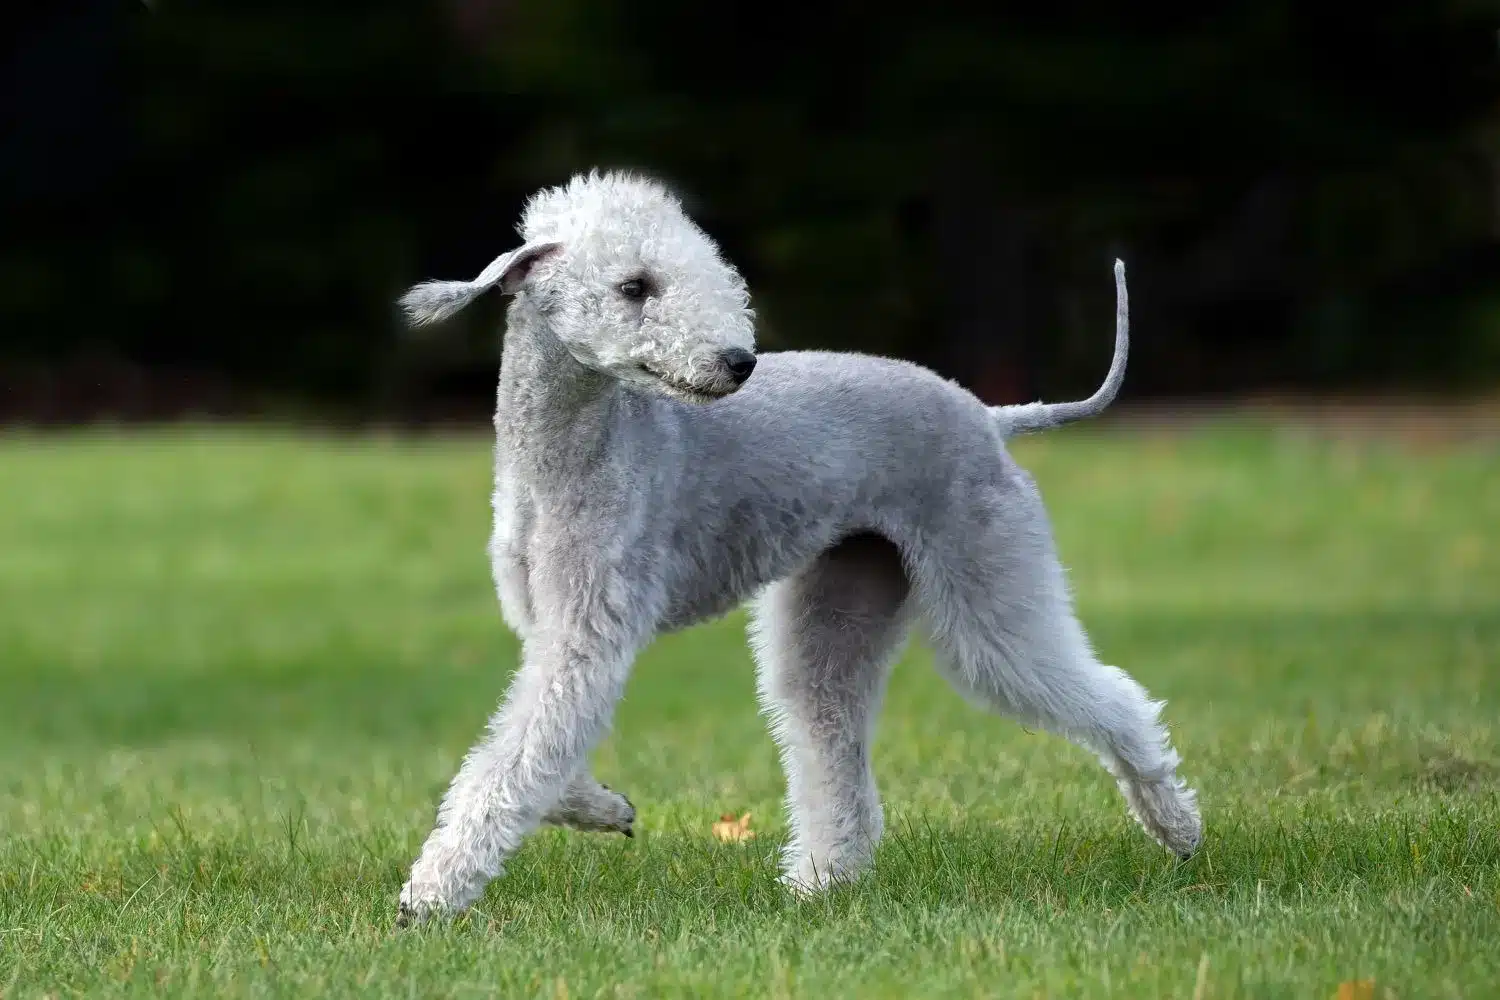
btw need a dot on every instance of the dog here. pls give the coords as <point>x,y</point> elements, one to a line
<point>652,471</point>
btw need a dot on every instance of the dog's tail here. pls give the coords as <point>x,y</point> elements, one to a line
<point>1028,417</point>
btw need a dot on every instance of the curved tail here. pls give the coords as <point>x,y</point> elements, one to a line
<point>1028,417</point>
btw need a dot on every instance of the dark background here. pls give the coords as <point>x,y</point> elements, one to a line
<point>209,209</point>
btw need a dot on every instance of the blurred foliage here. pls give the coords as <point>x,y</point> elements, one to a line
<point>1304,200</point>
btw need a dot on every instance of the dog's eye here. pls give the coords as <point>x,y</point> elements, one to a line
<point>635,288</point>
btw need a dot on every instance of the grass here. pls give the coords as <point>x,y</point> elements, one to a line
<point>238,668</point>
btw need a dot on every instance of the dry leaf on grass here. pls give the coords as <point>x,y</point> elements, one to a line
<point>1356,989</point>
<point>733,831</point>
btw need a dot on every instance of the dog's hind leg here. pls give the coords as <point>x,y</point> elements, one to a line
<point>825,641</point>
<point>1008,639</point>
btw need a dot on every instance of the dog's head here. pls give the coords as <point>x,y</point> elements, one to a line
<point>628,283</point>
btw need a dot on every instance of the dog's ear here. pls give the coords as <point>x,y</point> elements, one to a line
<point>510,270</point>
<point>434,301</point>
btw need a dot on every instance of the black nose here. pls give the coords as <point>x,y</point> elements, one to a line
<point>740,363</point>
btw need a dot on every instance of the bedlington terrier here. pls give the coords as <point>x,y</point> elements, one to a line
<point>644,481</point>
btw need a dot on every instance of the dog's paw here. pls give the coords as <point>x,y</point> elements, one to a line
<point>808,884</point>
<point>436,891</point>
<point>620,812</point>
<point>600,810</point>
<point>416,907</point>
<point>1168,810</point>
<point>806,875</point>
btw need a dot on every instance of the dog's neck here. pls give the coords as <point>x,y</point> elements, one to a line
<point>551,411</point>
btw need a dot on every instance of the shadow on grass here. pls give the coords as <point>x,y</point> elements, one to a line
<point>672,882</point>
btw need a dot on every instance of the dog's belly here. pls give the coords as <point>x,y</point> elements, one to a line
<point>712,579</point>
<point>719,569</point>
<point>694,608</point>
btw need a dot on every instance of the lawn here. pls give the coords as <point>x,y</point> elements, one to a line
<point>237,669</point>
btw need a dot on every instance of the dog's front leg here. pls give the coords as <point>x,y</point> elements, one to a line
<point>559,704</point>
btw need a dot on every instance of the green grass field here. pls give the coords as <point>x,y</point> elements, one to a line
<point>237,669</point>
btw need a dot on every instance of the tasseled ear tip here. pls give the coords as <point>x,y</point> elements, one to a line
<point>416,306</point>
<point>432,301</point>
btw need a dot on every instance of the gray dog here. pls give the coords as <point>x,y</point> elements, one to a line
<point>644,481</point>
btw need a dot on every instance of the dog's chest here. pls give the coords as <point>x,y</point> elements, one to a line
<point>513,514</point>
